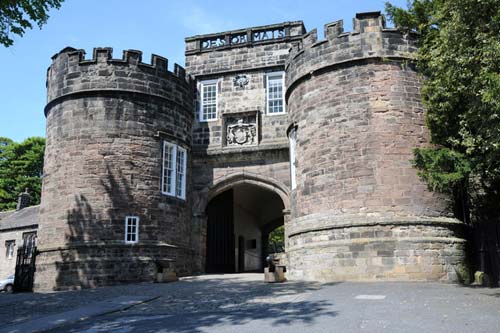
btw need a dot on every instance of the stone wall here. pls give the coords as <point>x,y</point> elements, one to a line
<point>264,163</point>
<point>355,101</point>
<point>8,265</point>
<point>212,174</point>
<point>253,59</point>
<point>359,211</point>
<point>251,54</point>
<point>106,121</point>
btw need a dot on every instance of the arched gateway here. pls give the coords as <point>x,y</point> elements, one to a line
<point>240,211</point>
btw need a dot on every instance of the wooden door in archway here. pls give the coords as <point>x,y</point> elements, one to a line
<point>220,234</point>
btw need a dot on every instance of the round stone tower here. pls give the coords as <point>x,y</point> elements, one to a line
<point>359,210</point>
<point>106,215</point>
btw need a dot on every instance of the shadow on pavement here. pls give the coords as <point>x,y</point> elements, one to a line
<point>195,304</point>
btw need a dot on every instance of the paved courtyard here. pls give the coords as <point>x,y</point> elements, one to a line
<point>243,303</point>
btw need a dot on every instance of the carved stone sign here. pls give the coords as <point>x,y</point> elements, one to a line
<point>242,38</point>
<point>268,34</point>
<point>241,129</point>
<point>213,43</point>
<point>240,80</point>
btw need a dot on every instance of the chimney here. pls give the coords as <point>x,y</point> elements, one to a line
<point>23,200</point>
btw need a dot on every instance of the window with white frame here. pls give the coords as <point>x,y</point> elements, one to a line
<point>292,137</point>
<point>9,248</point>
<point>174,170</point>
<point>131,229</point>
<point>208,100</point>
<point>169,162</point>
<point>29,240</point>
<point>275,83</point>
<point>180,188</point>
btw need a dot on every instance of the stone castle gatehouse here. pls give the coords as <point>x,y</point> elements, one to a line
<point>190,170</point>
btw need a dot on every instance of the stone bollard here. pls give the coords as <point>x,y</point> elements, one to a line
<point>276,275</point>
<point>165,277</point>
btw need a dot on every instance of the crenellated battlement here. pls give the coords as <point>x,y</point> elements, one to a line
<point>71,73</point>
<point>130,57</point>
<point>369,39</point>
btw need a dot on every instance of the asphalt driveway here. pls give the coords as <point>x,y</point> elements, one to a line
<point>243,303</point>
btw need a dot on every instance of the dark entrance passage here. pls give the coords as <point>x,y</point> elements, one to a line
<point>238,225</point>
<point>241,254</point>
<point>220,234</point>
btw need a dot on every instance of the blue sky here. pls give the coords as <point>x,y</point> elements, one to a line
<point>152,26</point>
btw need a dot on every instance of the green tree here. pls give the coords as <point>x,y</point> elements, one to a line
<point>277,240</point>
<point>18,15</point>
<point>21,166</point>
<point>459,58</point>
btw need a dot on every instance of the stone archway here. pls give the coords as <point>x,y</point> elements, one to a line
<point>226,182</point>
<point>256,203</point>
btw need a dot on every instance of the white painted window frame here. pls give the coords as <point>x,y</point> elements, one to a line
<point>292,138</point>
<point>274,75</point>
<point>174,161</point>
<point>10,249</point>
<point>136,234</point>
<point>182,186</point>
<point>201,85</point>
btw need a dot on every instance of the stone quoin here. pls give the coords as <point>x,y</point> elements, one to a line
<point>188,171</point>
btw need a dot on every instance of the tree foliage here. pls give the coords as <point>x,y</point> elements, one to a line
<point>459,58</point>
<point>277,240</point>
<point>18,15</point>
<point>21,166</point>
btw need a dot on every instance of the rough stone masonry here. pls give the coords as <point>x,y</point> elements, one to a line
<point>313,135</point>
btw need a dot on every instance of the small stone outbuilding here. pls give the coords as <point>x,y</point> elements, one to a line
<point>17,228</point>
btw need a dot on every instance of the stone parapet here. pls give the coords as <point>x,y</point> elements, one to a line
<point>70,73</point>
<point>249,37</point>
<point>369,40</point>
<point>261,49</point>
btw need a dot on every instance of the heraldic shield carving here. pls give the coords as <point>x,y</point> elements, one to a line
<point>241,129</point>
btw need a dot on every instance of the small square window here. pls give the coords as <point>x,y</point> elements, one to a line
<point>131,229</point>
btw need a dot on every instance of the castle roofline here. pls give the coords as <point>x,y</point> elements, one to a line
<point>241,30</point>
<point>266,34</point>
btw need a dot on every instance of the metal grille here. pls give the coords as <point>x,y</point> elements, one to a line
<point>25,268</point>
